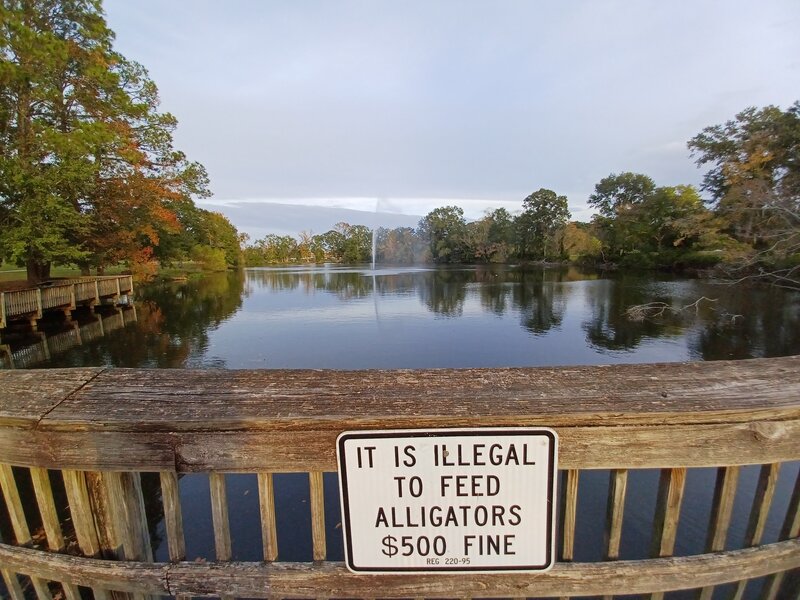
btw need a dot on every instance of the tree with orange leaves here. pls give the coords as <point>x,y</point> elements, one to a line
<point>88,171</point>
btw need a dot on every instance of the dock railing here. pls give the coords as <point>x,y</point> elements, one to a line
<point>65,295</point>
<point>94,431</point>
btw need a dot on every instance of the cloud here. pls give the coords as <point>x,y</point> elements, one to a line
<point>457,99</point>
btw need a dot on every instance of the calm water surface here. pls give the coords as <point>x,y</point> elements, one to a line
<point>344,318</point>
<point>352,318</point>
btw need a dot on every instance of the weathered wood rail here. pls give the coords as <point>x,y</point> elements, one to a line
<point>98,429</point>
<point>64,295</point>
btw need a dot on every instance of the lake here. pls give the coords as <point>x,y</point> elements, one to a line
<point>334,317</point>
<point>349,318</point>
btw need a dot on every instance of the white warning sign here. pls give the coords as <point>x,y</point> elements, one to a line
<point>471,500</point>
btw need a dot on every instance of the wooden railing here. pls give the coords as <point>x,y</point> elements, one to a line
<point>64,295</point>
<point>98,429</point>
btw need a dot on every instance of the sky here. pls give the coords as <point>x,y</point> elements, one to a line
<point>302,109</point>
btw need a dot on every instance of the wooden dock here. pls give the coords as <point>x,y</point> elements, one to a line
<point>98,429</point>
<point>63,295</point>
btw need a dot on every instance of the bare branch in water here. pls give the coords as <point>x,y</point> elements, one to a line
<point>653,310</point>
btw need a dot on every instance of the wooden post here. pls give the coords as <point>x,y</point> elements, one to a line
<point>19,524</point>
<point>762,500</point>
<point>722,509</point>
<point>16,514</point>
<point>2,310</point>
<point>266,500</point>
<point>317,494</point>
<point>96,300</point>
<point>52,527</point>
<point>47,508</point>
<point>668,510</point>
<point>83,520</point>
<point>790,529</point>
<point>170,495</point>
<point>12,585</point>
<point>219,516</point>
<point>126,504</point>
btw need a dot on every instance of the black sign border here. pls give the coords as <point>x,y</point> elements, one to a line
<point>343,490</point>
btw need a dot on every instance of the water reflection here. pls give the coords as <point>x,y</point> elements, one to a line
<point>350,318</point>
<point>335,317</point>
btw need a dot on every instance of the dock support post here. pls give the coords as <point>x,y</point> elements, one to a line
<point>96,301</point>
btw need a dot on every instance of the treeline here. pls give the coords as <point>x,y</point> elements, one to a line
<point>88,172</point>
<point>443,236</point>
<point>749,220</point>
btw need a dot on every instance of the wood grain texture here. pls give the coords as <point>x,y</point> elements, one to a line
<point>219,516</point>
<point>304,580</point>
<point>615,510</point>
<point>43,491</point>
<point>583,447</point>
<point>126,501</point>
<point>759,511</point>
<point>789,530</point>
<point>173,516</point>
<point>81,510</point>
<point>671,485</point>
<point>721,512</point>
<point>624,416</point>
<point>266,503</point>
<point>241,400</point>
<point>569,512</point>
<point>19,524</point>
<point>27,396</point>
<point>317,497</point>
<point>13,587</point>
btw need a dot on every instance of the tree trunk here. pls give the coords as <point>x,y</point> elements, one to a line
<point>37,271</point>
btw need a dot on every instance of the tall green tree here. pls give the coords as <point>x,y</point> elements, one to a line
<point>445,230</point>
<point>754,182</point>
<point>544,215</point>
<point>616,198</point>
<point>87,168</point>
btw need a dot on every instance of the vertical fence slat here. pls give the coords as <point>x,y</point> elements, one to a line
<point>12,585</point>
<point>618,483</point>
<point>721,511</point>
<point>317,515</point>
<point>47,508</point>
<point>52,527</point>
<point>762,501</point>
<point>219,516</point>
<point>18,522</point>
<point>14,504</point>
<point>40,586</point>
<point>790,529</point>
<point>128,519</point>
<point>266,500</point>
<point>671,485</point>
<point>568,514</point>
<point>615,510</point>
<point>569,510</point>
<point>81,510</point>
<point>173,517</point>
